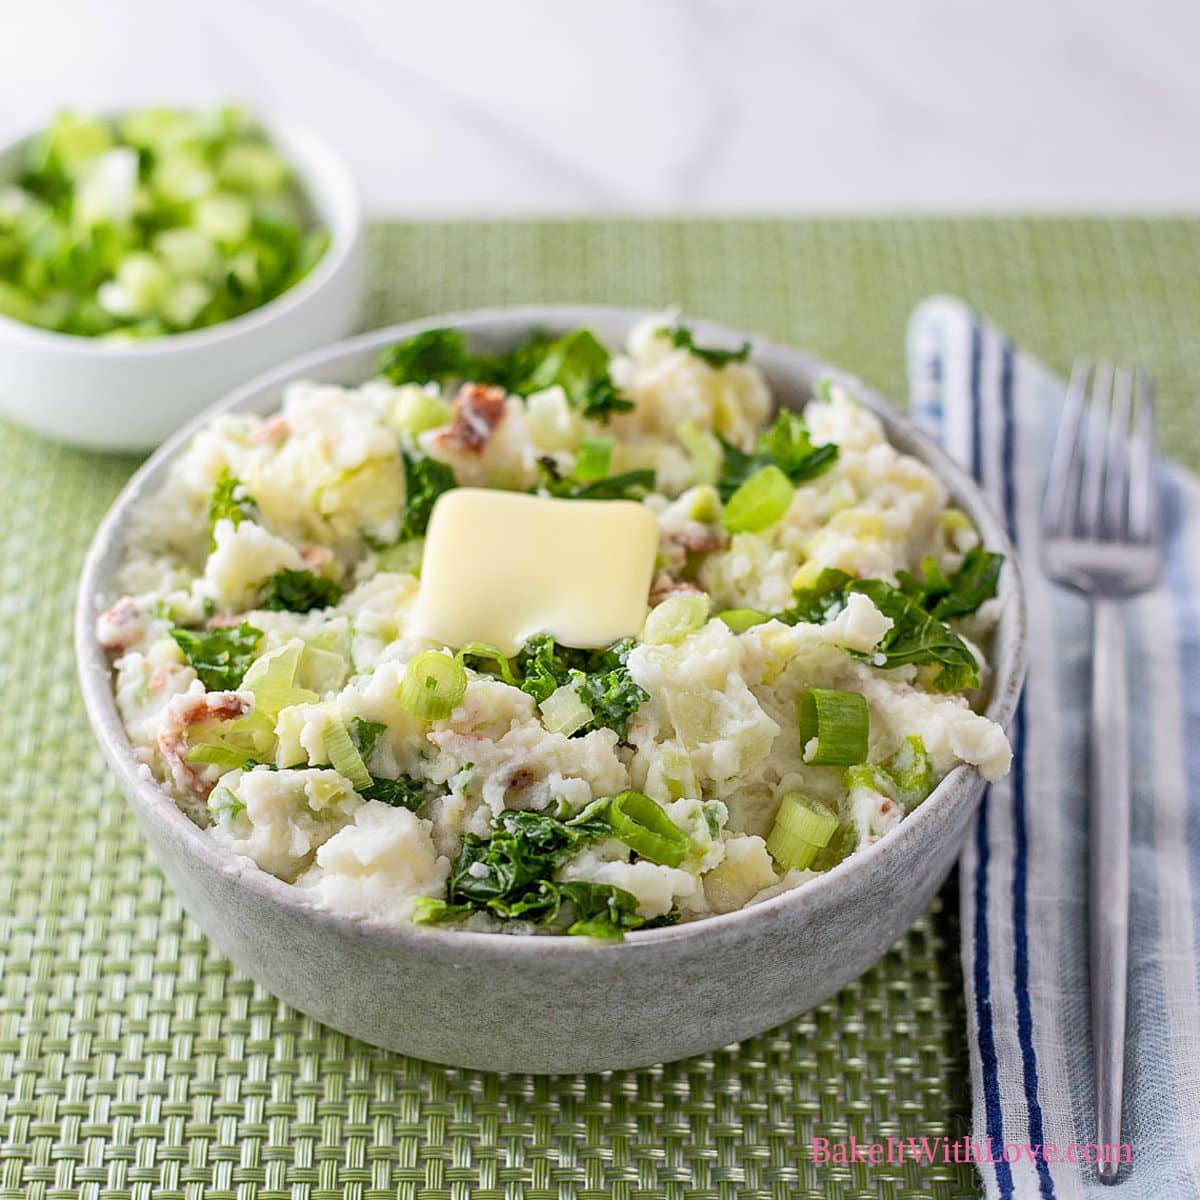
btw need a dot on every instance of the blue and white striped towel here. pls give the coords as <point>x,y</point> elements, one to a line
<point>1023,880</point>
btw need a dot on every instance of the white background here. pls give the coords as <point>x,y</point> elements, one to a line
<point>585,106</point>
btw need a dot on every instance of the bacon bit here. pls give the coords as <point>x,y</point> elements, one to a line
<point>521,779</point>
<point>274,430</point>
<point>698,537</point>
<point>121,626</point>
<point>192,709</point>
<point>885,806</point>
<point>317,558</point>
<point>665,585</point>
<point>478,410</point>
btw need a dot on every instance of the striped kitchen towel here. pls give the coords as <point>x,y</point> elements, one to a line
<point>1023,879</point>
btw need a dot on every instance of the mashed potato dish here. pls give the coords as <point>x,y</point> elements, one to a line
<point>809,643</point>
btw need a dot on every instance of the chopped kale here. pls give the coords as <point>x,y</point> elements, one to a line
<point>820,603</point>
<point>229,501</point>
<point>612,696</point>
<point>435,356</point>
<point>299,592</point>
<point>600,910</point>
<point>683,339</point>
<point>576,362</point>
<point>602,680</point>
<point>425,479</point>
<point>220,657</point>
<point>787,445</point>
<point>511,876</point>
<point>504,872</point>
<point>919,637</point>
<point>963,592</point>
<point>629,485</point>
<point>542,667</point>
<point>398,793</point>
<point>916,637</point>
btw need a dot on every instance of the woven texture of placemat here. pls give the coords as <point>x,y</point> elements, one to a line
<point>136,1062</point>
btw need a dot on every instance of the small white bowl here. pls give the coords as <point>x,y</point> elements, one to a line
<point>551,1004</point>
<point>104,395</point>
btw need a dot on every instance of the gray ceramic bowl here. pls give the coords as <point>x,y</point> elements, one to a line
<point>552,1004</point>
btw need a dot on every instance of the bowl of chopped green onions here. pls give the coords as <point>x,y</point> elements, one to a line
<point>152,259</point>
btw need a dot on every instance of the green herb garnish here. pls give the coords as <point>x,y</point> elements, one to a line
<point>959,594</point>
<point>220,657</point>
<point>577,362</point>
<point>787,445</point>
<point>681,337</point>
<point>601,679</point>
<point>299,592</point>
<point>425,479</point>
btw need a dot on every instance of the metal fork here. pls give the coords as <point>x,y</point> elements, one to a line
<point>1101,537</point>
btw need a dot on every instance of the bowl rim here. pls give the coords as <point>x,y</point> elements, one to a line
<point>155,805</point>
<point>312,157</point>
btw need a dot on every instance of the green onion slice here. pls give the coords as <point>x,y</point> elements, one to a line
<point>759,502</point>
<point>272,679</point>
<point>646,829</point>
<point>741,619</point>
<point>564,712</point>
<point>343,756</point>
<point>671,620</point>
<point>838,722</point>
<point>433,685</point>
<point>593,459</point>
<point>704,451</point>
<point>493,654</point>
<point>803,827</point>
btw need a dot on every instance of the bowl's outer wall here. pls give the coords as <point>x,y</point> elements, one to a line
<point>98,397</point>
<point>578,1006</point>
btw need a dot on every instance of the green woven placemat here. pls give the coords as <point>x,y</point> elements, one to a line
<point>135,1062</point>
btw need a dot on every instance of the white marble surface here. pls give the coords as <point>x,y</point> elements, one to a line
<point>577,106</point>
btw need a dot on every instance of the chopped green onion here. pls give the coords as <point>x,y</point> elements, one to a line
<point>321,670</point>
<point>160,222</point>
<point>404,557</point>
<point>643,825</point>
<point>343,756</point>
<point>232,743</point>
<point>759,502</point>
<point>416,410</point>
<point>433,685</point>
<point>704,451</point>
<point>741,619</point>
<point>492,654</point>
<point>593,458</point>
<point>675,617</point>
<point>222,802</point>
<point>837,722</point>
<point>210,754</point>
<point>272,679</point>
<point>803,827</point>
<point>564,712</point>
<point>706,504</point>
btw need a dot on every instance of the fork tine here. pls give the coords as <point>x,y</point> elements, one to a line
<point>1062,497</point>
<point>1095,439</point>
<point>1116,457</point>
<point>1143,481</point>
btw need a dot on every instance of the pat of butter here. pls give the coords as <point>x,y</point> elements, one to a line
<point>500,567</point>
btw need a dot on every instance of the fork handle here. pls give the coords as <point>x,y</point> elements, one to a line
<point>1108,868</point>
